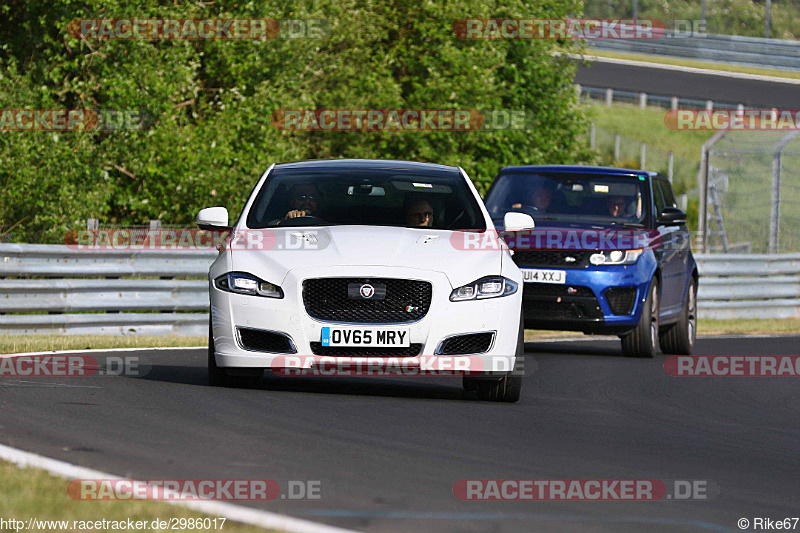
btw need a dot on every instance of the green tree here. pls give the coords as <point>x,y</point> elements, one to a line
<point>210,103</point>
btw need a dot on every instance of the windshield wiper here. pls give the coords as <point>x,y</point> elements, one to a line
<point>627,224</point>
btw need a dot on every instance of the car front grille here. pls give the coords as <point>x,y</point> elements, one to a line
<point>552,258</point>
<point>258,340</point>
<point>363,351</point>
<point>559,302</point>
<point>405,300</point>
<point>621,299</point>
<point>467,344</point>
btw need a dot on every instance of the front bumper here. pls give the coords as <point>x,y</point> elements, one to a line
<point>548,306</point>
<point>288,315</point>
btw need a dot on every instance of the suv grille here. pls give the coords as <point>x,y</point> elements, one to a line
<point>406,300</point>
<point>258,340</point>
<point>552,258</point>
<point>548,301</point>
<point>467,344</point>
<point>621,299</point>
<point>340,351</point>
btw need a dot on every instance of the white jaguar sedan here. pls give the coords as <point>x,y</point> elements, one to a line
<point>365,259</point>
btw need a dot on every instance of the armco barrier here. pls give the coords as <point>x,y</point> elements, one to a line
<point>53,289</point>
<point>748,286</point>
<point>752,51</point>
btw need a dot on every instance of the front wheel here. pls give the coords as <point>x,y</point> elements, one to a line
<point>643,341</point>
<point>219,377</point>
<point>679,338</point>
<point>509,387</point>
<point>216,375</point>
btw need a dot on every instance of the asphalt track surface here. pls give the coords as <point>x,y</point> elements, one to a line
<point>388,451</point>
<point>751,93</point>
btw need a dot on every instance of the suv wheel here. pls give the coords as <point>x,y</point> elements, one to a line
<point>643,341</point>
<point>679,338</point>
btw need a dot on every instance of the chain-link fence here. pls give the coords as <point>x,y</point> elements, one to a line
<point>753,195</point>
<point>617,150</point>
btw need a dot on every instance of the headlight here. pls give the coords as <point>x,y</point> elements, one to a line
<point>491,287</point>
<point>615,257</point>
<point>243,283</point>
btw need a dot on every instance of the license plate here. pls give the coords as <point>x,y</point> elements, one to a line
<point>379,337</point>
<point>538,275</point>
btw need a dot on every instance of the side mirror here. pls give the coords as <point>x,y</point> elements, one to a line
<point>213,218</point>
<point>514,221</point>
<point>671,216</point>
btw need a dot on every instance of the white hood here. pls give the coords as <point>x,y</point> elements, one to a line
<point>429,250</point>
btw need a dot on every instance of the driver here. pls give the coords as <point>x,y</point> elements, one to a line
<point>419,213</point>
<point>616,206</point>
<point>303,201</point>
<point>540,199</point>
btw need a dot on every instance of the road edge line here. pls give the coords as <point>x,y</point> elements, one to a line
<point>235,513</point>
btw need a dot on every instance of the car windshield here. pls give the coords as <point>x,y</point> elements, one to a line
<point>571,197</point>
<point>321,196</point>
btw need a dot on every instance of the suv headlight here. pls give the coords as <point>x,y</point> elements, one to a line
<point>489,287</point>
<point>244,283</point>
<point>615,257</point>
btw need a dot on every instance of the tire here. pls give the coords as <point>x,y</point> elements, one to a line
<point>679,338</point>
<point>219,377</point>
<point>643,341</point>
<point>506,389</point>
<point>216,375</point>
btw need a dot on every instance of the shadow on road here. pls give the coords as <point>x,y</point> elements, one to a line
<point>606,348</point>
<point>439,388</point>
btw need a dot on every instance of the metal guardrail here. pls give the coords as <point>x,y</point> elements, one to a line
<point>53,289</point>
<point>80,292</point>
<point>750,51</point>
<point>748,286</point>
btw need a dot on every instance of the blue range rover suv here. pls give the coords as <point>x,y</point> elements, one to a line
<point>609,254</point>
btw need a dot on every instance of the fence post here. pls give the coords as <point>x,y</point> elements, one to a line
<point>674,103</point>
<point>709,106</point>
<point>702,222</point>
<point>609,96</point>
<point>642,155</point>
<point>670,165</point>
<point>775,198</point>
<point>616,147</point>
<point>768,17</point>
<point>592,136</point>
<point>642,100</point>
<point>92,224</point>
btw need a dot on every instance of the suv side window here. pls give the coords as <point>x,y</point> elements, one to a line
<point>658,196</point>
<point>666,190</point>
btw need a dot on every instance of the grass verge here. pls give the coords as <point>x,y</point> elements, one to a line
<point>705,326</point>
<point>42,343</point>
<point>32,493</point>
<point>694,63</point>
